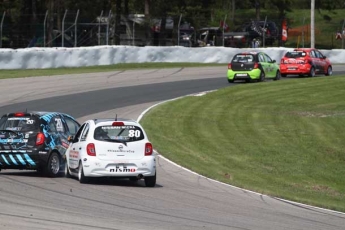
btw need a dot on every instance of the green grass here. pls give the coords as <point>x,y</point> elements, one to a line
<point>284,139</point>
<point>95,69</point>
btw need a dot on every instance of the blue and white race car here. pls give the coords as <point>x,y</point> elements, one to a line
<point>35,140</point>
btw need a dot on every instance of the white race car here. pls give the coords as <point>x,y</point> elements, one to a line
<point>111,148</point>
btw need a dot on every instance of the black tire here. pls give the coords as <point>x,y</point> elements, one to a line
<point>262,76</point>
<point>67,173</point>
<point>312,72</point>
<point>53,165</point>
<point>329,71</point>
<point>277,76</point>
<point>81,177</point>
<point>150,181</point>
<point>230,81</point>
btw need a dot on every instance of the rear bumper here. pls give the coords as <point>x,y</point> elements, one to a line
<point>243,75</point>
<point>22,159</point>
<point>94,167</point>
<point>296,69</point>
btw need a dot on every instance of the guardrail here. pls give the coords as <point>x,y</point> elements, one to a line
<point>41,58</point>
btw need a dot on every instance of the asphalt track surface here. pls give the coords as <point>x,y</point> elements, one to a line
<point>181,199</point>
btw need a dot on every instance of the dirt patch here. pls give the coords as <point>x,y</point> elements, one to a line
<point>297,31</point>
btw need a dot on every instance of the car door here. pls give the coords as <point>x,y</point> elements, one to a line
<point>322,61</point>
<point>264,64</point>
<point>76,147</point>
<point>315,60</point>
<point>271,66</point>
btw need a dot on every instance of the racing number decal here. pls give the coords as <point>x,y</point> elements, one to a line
<point>59,126</point>
<point>29,122</point>
<point>134,133</point>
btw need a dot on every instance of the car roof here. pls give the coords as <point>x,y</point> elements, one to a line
<point>31,113</point>
<point>209,28</point>
<point>100,120</point>
<point>252,53</point>
<point>303,49</point>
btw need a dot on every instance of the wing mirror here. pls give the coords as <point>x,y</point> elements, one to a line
<point>70,138</point>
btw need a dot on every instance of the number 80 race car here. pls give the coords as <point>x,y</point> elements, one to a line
<point>111,148</point>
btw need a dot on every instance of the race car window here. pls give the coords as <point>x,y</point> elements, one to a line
<point>268,58</point>
<point>295,54</point>
<point>19,124</point>
<point>72,125</point>
<point>127,133</point>
<point>85,132</point>
<point>319,54</point>
<point>243,58</point>
<point>78,134</point>
<point>261,58</point>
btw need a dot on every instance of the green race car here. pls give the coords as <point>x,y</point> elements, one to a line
<point>252,66</point>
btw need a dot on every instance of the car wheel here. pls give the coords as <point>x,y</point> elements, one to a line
<point>277,76</point>
<point>312,72</point>
<point>230,81</point>
<point>150,181</point>
<point>53,166</point>
<point>67,173</point>
<point>82,179</point>
<point>329,71</point>
<point>262,76</point>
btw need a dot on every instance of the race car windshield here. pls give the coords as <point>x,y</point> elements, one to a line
<point>125,133</point>
<point>295,54</point>
<point>19,124</point>
<point>243,58</point>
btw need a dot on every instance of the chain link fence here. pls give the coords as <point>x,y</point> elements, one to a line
<point>69,29</point>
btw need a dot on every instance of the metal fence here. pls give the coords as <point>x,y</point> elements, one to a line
<point>70,29</point>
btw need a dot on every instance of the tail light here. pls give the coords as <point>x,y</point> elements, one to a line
<point>268,32</point>
<point>90,149</point>
<point>40,138</point>
<point>243,40</point>
<point>19,114</point>
<point>229,66</point>
<point>256,65</point>
<point>118,123</point>
<point>282,61</point>
<point>148,149</point>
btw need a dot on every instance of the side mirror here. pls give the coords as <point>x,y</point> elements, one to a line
<point>274,61</point>
<point>70,138</point>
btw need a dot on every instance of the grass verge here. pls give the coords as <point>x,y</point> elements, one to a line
<point>284,139</point>
<point>94,69</point>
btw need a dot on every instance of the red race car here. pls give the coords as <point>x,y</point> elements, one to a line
<point>305,61</point>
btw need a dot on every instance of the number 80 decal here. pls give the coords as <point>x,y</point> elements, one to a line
<point>134,133</point>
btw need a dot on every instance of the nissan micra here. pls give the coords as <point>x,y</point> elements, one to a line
<point>111,148</point>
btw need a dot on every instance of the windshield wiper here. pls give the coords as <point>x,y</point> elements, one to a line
<point>117,141</point>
